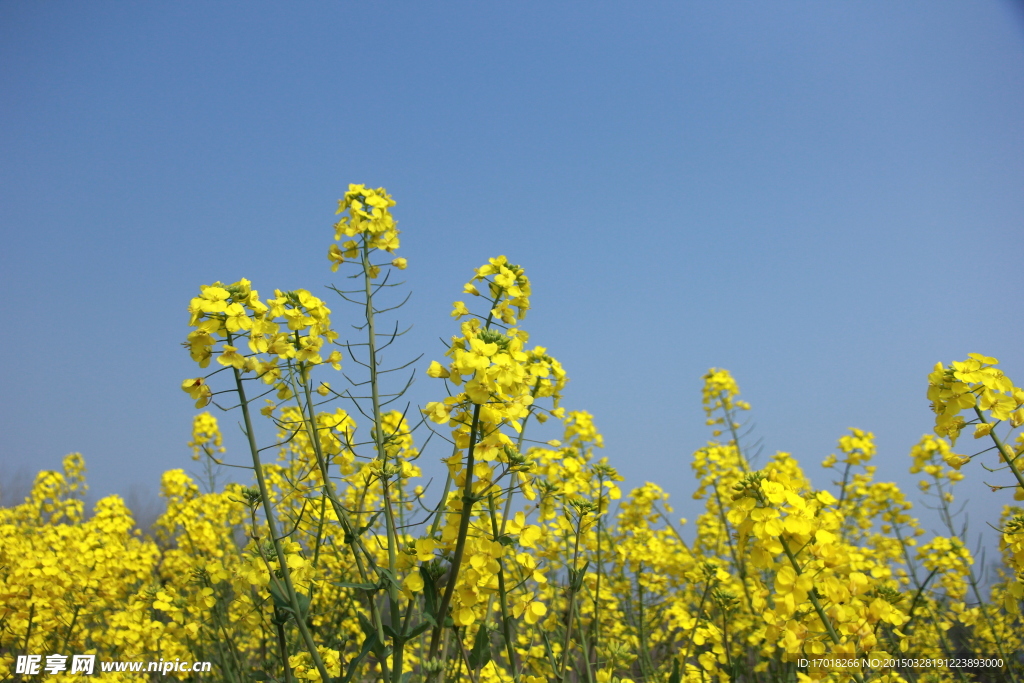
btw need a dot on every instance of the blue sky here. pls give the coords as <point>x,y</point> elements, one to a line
<point>824,198</point>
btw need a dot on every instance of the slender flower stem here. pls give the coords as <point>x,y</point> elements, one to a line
<point>460,542</point>
<point>309,422</point>
<point>573,580</point>
<point>506,623</point>
<point>378,425</point>
<point>268,510</point>
<point>813,595</point>
<point>1005,451</point>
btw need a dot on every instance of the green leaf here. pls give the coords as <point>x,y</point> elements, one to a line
<point>350,537</point>
<point>424,625</point>
<point>369,644</point>
<point>368,628</point>
<point>303,604</point>
<point>386,576</point>
<point>481,652</point>
<point>280,600</point>
<point>283,605</point>
<point>676,677</point>
<point>369,524</point>
<point>429,594</point>
<point>359,586</point>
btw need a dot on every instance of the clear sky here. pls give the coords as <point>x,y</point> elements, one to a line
<point>824,198</point>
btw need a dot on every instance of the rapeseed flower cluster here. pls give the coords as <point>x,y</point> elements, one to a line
<point>528,563</point>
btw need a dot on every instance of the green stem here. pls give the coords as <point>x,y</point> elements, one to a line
<point>293,599</point>
<point>812,594</point>
<point>436,524</point>
<point>282,645</point>
<point>218,612</point>
<point>71,628</point>
<point>31,620</point>
<point>460,542</point>
<point>573,580</point>
<point>308,421</point>
<point>465,658</point>
<point>1005,451</point>
<point>735,436</point>
<point>503,597</point>
<point>725,642</point>
<point>378,437</point>
<point>585,647</point>
<point>737,559</point>
<point>645,663</point>
<point>696,623</point>
<point>947,518</point>
<point>600,571</point>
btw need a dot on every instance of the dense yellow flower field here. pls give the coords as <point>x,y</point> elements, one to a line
<point>530,566</point>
